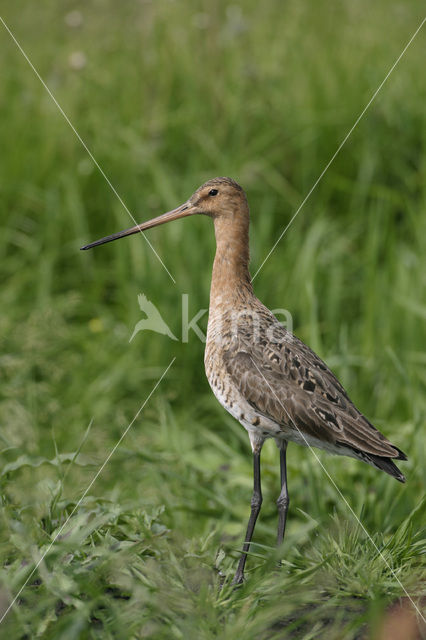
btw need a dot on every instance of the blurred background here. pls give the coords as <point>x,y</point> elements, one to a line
<point>166,95</point>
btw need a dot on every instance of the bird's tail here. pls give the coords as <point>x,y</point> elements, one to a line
<point>386,464</point>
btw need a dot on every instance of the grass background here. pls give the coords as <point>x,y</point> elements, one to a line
<point>166,95</point>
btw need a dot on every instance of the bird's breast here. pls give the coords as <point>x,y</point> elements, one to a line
<point>219,336</point>
<point>225,388</point>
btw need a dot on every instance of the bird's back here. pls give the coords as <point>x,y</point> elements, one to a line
<point>254,363</point>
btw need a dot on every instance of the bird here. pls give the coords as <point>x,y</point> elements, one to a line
<point>260,372</point>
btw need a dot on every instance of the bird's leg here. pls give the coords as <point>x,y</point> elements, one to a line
<point>283,499</point>
<point>256,503</point>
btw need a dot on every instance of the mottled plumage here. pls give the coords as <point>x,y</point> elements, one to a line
<point>284,382</point>
<point>268,379</point>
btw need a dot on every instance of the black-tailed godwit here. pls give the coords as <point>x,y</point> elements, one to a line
<point>269,380</point>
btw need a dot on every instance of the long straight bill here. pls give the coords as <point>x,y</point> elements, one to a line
<point>184,210</point>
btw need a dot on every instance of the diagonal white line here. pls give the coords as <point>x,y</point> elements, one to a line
<point>80,139</point>
<point>341,145</point>
<point>111,453</point>
<point>342,496</point>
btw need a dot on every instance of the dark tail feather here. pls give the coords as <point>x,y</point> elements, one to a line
<point>386,464</point>
<point>402,455</point>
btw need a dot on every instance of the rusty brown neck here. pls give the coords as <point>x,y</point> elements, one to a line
<point>231,279</point>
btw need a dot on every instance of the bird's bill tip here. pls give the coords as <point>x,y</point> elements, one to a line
<point>114,236</point>
<point>186,209</point>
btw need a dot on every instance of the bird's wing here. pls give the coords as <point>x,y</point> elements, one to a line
<point>286,381</point>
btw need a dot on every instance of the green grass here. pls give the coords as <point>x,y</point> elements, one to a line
<point>171,94</point>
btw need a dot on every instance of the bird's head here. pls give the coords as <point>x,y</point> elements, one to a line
<point>218,198</point>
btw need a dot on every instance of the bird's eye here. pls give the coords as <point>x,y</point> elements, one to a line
<point>213,192</point>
